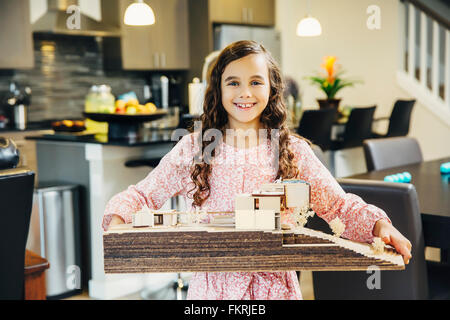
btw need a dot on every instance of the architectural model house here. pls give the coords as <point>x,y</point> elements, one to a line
<point>143,218</point>
<point>262,209</point>
<point>257,220</point>
<point>165,218</point>
<point>148,218</point>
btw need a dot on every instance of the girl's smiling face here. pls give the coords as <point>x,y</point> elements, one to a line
<point>245,89</point>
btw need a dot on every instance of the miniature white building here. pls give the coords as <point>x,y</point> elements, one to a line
<point>297,195</point>
<point>256,219</point>
<point>143,218</point>
<point>148,218</point>
<point>262,209</point>
<point>165,218</point>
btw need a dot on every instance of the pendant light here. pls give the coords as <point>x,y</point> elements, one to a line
<point>309,26</point>
<point>139,14</point>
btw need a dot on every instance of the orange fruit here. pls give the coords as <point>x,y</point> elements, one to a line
<point>67,123</point>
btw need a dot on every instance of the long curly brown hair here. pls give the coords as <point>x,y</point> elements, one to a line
<point>215,116</point>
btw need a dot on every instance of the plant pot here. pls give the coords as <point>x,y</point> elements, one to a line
<point>329,103</point>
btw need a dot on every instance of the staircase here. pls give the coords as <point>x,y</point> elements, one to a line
<point>424,59</point>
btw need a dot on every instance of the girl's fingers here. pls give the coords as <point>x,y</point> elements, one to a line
<point>409,245</point>
<point>386,239</point>
<point>393,237</point>
<point>403,247</point>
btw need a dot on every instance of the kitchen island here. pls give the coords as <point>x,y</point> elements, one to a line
<point>98,166</point>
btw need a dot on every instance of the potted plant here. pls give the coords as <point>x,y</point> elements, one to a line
<point>330,83</point>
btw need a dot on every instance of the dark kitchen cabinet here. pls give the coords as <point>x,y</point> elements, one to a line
<point>16,39</point>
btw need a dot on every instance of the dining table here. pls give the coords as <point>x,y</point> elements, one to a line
<point>433,191</point>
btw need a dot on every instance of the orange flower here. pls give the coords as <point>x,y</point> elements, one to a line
<point>328,65</point>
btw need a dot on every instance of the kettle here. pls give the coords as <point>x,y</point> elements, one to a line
<point>9,154</point>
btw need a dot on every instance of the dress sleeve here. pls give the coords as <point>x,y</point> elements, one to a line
<point>163,182</point>
<point>329,200</point>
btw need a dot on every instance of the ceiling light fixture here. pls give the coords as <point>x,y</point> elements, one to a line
<point>309,26</point>
<point>139,14</point>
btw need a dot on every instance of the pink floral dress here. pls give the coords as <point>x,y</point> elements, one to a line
<point>237,171</point>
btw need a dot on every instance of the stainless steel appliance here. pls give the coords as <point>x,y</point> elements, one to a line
<point>268,37</point>
<point>55,21</point>
<point>55,235</point>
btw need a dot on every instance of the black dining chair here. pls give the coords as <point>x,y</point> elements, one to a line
<point>357,129</point>
<point>391,152</point>
<point>315,125</point>
<point>400,202</point>
<point>398,121</point>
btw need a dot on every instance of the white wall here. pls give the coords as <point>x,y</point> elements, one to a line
<point>369,55</point>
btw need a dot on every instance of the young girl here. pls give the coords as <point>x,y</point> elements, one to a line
<point>245,92</point>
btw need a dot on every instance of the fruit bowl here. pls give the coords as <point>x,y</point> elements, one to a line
<point>125,118</point>
<point>68,126</point>
<point>125,126</point>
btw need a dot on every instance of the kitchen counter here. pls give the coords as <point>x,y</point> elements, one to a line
<point>30,127</point>
<point>149,137</point>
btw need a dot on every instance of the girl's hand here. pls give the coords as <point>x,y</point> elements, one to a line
<point>116,219</point>
<point>390,235</point>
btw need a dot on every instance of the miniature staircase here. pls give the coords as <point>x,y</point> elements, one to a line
<point>424,70</point>
<point>210,249</point>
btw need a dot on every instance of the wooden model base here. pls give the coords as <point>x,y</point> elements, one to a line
<point>214,249</point>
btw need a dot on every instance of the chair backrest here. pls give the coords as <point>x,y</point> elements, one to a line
<point>358,127</point>
<point>400,118</point>
<point>391,152</point>
<point>315,125</point>
<point>400,202</point>
<point>16,198</point>
<point>320,155</point>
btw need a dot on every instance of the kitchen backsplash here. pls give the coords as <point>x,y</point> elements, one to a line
<point>65,68</point>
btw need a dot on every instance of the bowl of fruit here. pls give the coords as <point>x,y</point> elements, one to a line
<point>68,126</point>
<point>128,112</point>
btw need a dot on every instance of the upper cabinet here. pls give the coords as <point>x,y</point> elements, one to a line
<point>262,12</point>
<point>250,12</point>
<point>16,40</point>
<point>162,46</point>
